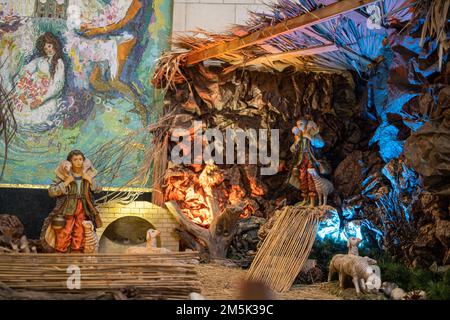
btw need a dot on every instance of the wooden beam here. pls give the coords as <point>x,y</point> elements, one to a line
<point>298,23</point>
<point>269,58</point>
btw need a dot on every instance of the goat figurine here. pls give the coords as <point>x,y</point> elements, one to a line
<point>324,187</point>
<point>352,245</point>
<point>360,269</point>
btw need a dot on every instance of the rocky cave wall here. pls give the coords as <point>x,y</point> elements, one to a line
<point>388,162</point>
<point>252,99</point>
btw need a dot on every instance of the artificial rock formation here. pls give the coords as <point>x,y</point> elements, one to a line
<point>255,100</point>
<point>385,139</point>
<point>246,240</point>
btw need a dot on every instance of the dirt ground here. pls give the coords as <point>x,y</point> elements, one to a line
<point>222,283</point>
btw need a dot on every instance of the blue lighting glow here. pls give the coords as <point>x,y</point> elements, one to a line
<point>331,228</point>
<point>352,229</point>
<point>390,146</point>
<point>348,212</point>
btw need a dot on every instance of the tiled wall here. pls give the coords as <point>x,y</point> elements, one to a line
<point>212,15</point>
<point>157,216</point>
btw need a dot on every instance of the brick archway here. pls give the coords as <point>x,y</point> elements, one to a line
<point>158,217</point>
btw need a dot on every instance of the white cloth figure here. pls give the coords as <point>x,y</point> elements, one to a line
<point>84,51</point>
<point>34,83</point>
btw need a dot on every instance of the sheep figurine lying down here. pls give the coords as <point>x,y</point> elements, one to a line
<point>362,270</point>
<point>151,245</point>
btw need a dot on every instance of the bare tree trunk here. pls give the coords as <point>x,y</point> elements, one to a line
<point>217,238</point>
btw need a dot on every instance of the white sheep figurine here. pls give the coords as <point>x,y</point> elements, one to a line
<point>151,245</point>
<point>360,269</point>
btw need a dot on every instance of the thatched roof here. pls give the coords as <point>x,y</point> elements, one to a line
<point>313,35</point>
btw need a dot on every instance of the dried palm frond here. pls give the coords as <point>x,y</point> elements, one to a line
<point>343,32</point>
<point>8,124</point>
<point>393,11</point>
<point>435,24</point>
<point>399,11</point>
<point>280,10</point>
<point>168,72</point>
<point>120,155</point>
<point>357,44</point>
<point>200,39</point>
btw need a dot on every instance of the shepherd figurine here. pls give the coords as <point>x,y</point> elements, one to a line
<point>73,190</point>
<point>306,136</point>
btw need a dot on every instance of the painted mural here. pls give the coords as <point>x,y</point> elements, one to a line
<point>79,75</point>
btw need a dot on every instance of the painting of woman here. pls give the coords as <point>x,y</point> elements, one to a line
<point>40,83</point>
<point>91,86</point>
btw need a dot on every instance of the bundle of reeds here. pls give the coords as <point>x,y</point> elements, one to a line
<point>287,247</point>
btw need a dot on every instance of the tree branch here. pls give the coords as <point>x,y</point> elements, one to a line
<point>189,225</point>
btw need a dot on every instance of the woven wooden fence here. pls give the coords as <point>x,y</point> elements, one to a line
<point>154,276</point>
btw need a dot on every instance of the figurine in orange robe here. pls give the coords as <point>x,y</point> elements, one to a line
<point>72,188</point>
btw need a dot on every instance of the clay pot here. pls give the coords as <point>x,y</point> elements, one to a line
<point>58,222</point>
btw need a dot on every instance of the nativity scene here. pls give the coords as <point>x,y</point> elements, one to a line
<point>302,154</point>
